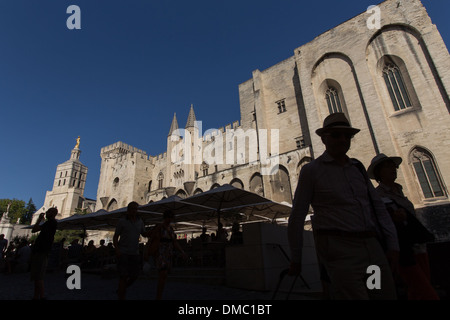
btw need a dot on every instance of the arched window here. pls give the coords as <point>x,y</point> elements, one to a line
<point>333,101</point>
<point>427,174</point>
<point>396,87</point>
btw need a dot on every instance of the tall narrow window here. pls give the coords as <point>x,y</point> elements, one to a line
<point>204,167</point>
<point>427,174</point>
<point>160,180</point>
<point>333,101</point>
<point>396,87</point>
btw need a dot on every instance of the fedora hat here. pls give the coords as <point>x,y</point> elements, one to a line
<point>379,159</point>
<point>336,120</point>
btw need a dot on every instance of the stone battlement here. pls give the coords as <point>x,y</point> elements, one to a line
<point>121,148</point>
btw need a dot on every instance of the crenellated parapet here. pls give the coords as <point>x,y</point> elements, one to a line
<point>119,148</point>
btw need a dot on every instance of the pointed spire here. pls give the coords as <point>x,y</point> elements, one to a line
<point>191,118</point>
<point>174,125</point>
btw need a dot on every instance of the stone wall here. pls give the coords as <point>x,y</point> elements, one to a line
<point>290,97</point>
<point>350,58</point>
<point>437,220</point>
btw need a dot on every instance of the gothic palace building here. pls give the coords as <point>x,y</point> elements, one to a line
<point>392,82</point>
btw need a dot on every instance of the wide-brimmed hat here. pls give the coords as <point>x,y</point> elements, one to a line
<point>379,159</point>
<point>334,121</point>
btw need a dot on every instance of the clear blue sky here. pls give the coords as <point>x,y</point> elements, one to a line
<point>131,66</point>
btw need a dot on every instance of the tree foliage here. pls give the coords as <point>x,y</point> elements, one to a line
<point>30,210</point>
<point>18,210</point>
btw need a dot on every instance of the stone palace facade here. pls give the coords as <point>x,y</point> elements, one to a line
<point>387,69</point>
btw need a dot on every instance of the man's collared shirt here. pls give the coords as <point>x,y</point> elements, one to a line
<point>339,196</point>
<point>129,232</point>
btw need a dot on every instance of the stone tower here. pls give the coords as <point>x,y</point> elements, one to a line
<point>125,176</point>
<point>68,187</point>
<point>190,144</point>
<point>181,146</point>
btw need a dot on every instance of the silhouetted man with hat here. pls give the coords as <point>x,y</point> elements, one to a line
<point>347,215</point>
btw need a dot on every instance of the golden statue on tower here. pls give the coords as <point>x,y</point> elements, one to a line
<point>78,143</point>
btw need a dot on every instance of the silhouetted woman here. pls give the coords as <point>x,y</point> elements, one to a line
<point>167,242</point>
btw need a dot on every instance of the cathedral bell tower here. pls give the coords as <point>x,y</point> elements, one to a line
<point>68,186</point>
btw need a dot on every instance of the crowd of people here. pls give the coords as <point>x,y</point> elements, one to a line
<point>221,235</point>
<point>16,255</point>
<point>161,247</point>
<point>16,258</point>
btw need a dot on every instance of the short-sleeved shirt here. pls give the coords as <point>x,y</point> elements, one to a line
<point>44,241</point>
<point>129,232</point>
